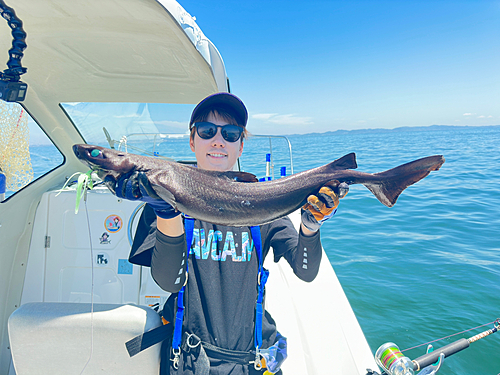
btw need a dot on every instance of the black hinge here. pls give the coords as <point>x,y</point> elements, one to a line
<point>47,242</point>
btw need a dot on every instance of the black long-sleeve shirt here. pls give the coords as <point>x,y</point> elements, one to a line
<point>222,282</point>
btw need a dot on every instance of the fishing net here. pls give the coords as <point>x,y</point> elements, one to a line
<point>15,161</point>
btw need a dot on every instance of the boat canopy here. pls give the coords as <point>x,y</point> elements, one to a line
<point>114,51</point>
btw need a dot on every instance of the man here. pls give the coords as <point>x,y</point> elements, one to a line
<point>221,273</point>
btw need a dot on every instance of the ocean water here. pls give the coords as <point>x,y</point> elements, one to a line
<point>428,267</point>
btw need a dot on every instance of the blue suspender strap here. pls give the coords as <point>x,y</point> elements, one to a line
<point>179,316</point>
<point>261,279</point>
<point>259,309</point>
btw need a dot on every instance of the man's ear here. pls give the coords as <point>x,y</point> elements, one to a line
<point>191,143</point>
<point>241,149</point>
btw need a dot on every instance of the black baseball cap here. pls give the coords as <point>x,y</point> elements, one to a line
<point>226,101</point>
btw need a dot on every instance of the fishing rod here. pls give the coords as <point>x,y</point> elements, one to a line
<point>393,362</point>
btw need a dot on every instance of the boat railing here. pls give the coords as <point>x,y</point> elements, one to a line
<point>123,143</point>
<point>271,137</point>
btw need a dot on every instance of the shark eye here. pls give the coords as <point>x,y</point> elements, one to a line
<point>96,153</point>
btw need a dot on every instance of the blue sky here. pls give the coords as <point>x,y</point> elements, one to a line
<point>305,66</point>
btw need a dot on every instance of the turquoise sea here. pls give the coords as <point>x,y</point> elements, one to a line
<point>426,268</point>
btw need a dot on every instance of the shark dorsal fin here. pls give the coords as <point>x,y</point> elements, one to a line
<point>345,162</point>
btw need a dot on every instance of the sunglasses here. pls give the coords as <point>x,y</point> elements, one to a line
<point>207,130</point>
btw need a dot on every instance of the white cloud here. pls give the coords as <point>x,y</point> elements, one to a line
<point>263,116</point>
<point>481,116</point>
<point>469,114</point>
<point>177,124</point>
<point>166,126</point>
<point>289,119</point>
<point>129,115</point>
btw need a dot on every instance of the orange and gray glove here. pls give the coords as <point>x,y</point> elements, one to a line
<point>323,206</point>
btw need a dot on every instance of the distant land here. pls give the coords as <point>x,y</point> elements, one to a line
<point>410,129</point>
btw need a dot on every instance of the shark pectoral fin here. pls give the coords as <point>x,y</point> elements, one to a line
<point>156,191</point>
<point>240,176</point>
<point>166,195</point>
<point>390,184</point>
<point>110,183</point>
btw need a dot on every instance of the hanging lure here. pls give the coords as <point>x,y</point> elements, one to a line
<point>84,184</point>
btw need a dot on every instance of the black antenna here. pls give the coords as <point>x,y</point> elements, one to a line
<point>11,88</point>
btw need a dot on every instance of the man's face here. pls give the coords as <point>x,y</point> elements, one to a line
<point>216,154</point>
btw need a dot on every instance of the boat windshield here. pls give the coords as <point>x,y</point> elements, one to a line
<point>142,128</point>
<point>161,130</point>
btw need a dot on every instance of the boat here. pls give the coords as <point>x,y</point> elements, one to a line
<point>70,300</point>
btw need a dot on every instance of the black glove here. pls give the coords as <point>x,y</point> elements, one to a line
<point>136,187</point>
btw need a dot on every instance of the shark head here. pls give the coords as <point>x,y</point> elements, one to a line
<point>109,164</point>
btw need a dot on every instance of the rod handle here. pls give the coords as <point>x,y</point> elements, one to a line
<point>430,358</point>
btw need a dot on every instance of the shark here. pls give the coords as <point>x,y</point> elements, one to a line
<point>227,198</point>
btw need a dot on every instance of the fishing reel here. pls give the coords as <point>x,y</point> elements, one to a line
<point>393,362</point>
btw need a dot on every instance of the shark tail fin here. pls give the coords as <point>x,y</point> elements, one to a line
<point>392,182</point>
